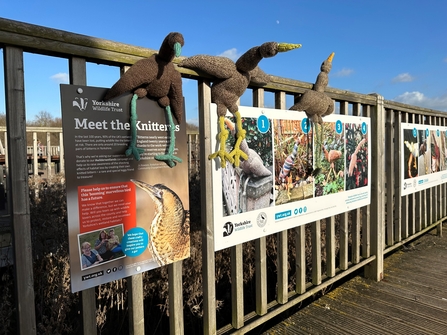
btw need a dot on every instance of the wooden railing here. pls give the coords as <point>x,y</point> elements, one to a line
<point>364,235</point>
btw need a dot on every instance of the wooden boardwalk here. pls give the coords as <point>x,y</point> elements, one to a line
<point>411,299</point>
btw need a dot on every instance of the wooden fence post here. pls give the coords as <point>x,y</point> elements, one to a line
<point>78,76</point>
<point>206,186</point>
<point>374,270</point>
<point>18,189</point>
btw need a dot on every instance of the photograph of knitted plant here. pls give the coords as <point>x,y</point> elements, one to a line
<point>293,161</point>
<point>329,158</point>
<point>250,185</point>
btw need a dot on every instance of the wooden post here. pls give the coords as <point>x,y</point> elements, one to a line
<point>78,76</point>
<point>18,189</point>
<point>135,290</point>
<point>61,153</point>
<point>260,243</point>
<point>135,301</point>
<point>35,155</point>
<point>48,149</point>
<point>282,268</point>
<point>374,270</point>
<point>208,273</point>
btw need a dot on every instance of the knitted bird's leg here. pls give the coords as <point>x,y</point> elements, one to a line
<point>169,158</point>
<point>221,153</point>
<point>132,149</point>
<point>237,153</point>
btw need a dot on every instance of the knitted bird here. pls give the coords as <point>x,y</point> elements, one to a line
<point>231,81</point>
<point>290,160</point>
<point>315,102</point>
<point>253,165</point>
<point>169,231</point>
<point>156,78</point>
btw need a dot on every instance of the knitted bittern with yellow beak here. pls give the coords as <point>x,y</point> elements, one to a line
<point>315,102</point>
<point>231,81</point>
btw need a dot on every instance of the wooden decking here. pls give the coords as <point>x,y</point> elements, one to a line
<point>411,299</point>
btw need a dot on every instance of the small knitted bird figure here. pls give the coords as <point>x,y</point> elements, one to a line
<point>156,78</point>
<point>253,165</point>
<point>169,230</point>
<point>315,102</point>
<point>231,81</point>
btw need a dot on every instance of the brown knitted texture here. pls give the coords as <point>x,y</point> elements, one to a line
<point>155,77</point>
<point>315,102</point>
<point>232,79</point>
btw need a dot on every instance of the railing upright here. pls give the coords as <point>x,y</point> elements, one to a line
<point>18,195</point>
<point>374,270</point>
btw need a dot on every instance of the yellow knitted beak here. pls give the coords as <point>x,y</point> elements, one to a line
<point>283,47</point>
<point>331,56</point>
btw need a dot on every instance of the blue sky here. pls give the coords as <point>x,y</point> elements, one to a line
<point>395,48</point>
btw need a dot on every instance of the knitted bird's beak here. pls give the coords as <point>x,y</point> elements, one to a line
<point>331,56</point>
<point>177,49</point>
<point>283,47</point>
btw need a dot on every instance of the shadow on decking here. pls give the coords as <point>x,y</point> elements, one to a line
<point>411,299</point>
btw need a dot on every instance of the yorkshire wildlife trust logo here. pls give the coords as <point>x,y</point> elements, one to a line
<point>228,229</point>
<point>81,103</point>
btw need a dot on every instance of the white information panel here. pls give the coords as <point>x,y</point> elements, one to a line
<point>296,172</point>
<point>423,158</point>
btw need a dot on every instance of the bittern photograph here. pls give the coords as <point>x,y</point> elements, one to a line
<point>167,225</point>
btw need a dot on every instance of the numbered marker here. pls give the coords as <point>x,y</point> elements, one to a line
<point>305,124</point>
<point>263,124</point>
<point>415,132</point>
<point>364,128</point>
<point>437,132</point>
<point>338,127</point>
<point>426,133</point>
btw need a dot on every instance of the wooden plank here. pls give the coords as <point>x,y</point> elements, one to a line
<point>176,322</point>
<point>407,301</point>
<point>300,247</point>
<point>356,213</point>
<point>391,184</point>
<point>35,156</point>
<point>282,270</point>
<point>330,246</point>
<point>397,189</point>
<point>366,211</point>
<point>18,189</point>
<point>237,286</point>
<point>77,70</point>
<point>260,244</point>
<point>316,252</point>
<point>261,275</point>
<point>344,229</point>
<point>418,195</point>
<point>404,214</point>
<point>62,152</point>
<point>135,296</point>
<point>374,270</point>
<point>135,282</point>
<point>206,166</point>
